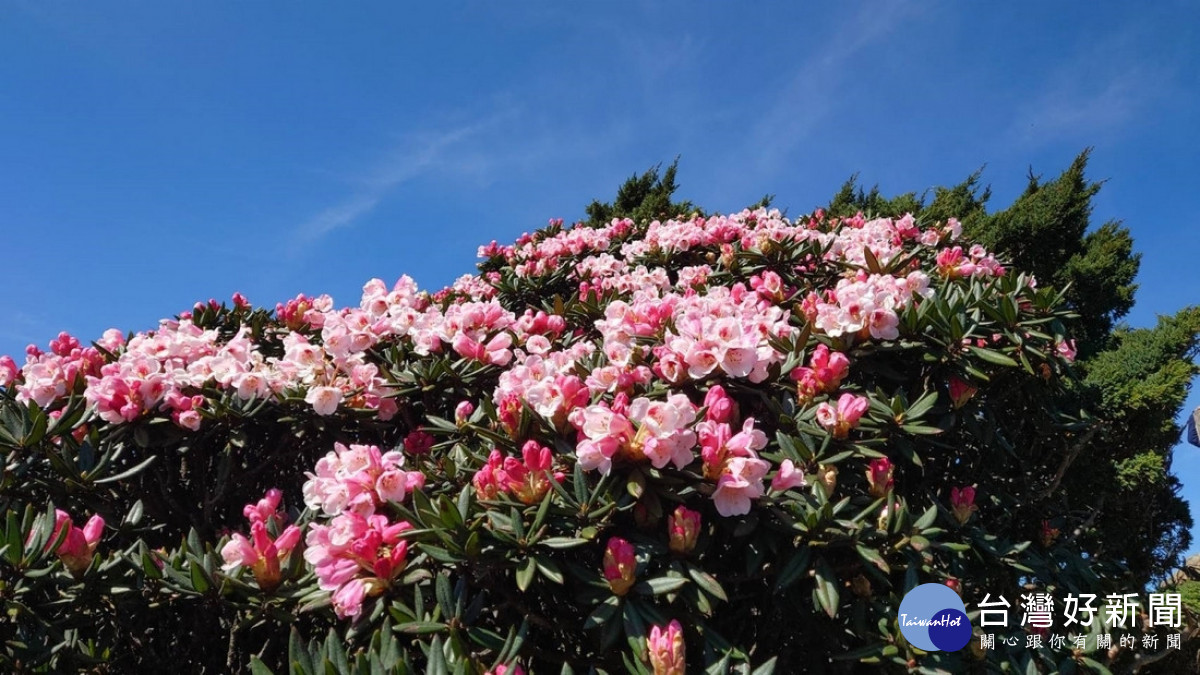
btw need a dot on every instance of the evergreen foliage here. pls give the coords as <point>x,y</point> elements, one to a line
<point>651,438</point>
<point>1136,379</point>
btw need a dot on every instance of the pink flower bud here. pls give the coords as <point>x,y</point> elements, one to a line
<point>840,420</point>
<point>886,513</point>
<point>666,648</point>
<point>79,545</point>
<point>620,565</point>
<point>462,412</point>
<point>265,508</point>
<point>1049,534</point>
<point>961,392</point>
<point>827,475</point>
<point>684,528</point>
<point>720,406</point>
<point>962,502</point>
<point>879,476</point>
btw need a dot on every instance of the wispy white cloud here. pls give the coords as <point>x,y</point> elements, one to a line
<point>512,139</point>
<point>415,155</point>
<point>338,215</point>
<point>1098,92</point>
<point>808,96</point>
<point>1079,105</point>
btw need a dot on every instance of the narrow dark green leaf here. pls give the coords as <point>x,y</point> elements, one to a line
<point>525,573</point>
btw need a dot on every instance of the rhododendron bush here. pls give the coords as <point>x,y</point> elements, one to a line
<point>728,443</point>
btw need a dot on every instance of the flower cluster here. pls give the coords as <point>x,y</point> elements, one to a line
<point>527,479</point>
<point>359,552</point>
<point>356,557</point>
<point>261,552</point>
<point>632,394</point>
<point>359,478</point>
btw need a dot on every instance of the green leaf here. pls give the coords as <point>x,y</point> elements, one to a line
<point>636,484</point>
<point>793,569</point>
<point>128,472</point>
<point>826,590</point>
<point>445,599</point>
<point>549,569</point>
<point>926,518</point>
<point>922,406</point>
<point>603,613</point>
<point>707,582</point>
<point>661,585</point>
<point>200,580</point>
<point>525,573</point>
<point>257,667</point>
<point>872,556</point>
<point>562,542</point>
<point>419,627</point>
<point>992,356</point>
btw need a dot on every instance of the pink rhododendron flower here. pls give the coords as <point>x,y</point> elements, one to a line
<point>620,565</point>
<point>260,553</point>
<point>788,477</point>
<point>718,444</point>
<point>739,485</point>
<point>664,435</point>
<point>324,400</point>
<point>527,479</point>
<point>604,432</point>
<point>348,598</point>
<point>418,442</point>
<point>667,654</point>
<point>8,371</point>
<point>490,480</point>
<point>1066,349</point>
<point>824,373</point>
<point>768,285</point>
<point>1049,534</point>
<point>886,514</point>
<point>264,509</point>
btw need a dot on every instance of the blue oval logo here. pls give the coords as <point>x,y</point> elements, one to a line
<point>933,618</point>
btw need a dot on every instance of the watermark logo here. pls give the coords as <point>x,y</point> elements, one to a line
<point>933,618</point>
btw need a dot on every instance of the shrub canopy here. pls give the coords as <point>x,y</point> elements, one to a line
<point>731,440</point>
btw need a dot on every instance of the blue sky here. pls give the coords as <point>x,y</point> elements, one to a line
<point>152,156</point>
